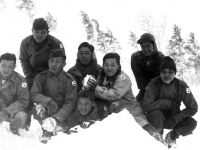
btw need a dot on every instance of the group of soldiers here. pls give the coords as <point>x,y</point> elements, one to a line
<point>89,92</point>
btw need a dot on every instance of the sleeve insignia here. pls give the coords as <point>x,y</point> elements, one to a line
<point>188,90</point>
<point>61,46</point>
<point>74,83</point>
<point>122,77</point>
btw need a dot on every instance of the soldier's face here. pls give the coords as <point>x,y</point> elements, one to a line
<point>56,65</point>
<point>84,106</point>
<point>110,67</point>
<point>84,55</point>
<point>40,35</point>
<point>167,75</point>
<point>147,48</point>
<point>6,68</point>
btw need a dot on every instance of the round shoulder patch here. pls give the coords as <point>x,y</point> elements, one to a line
<point>188,90</point>
<point>122,77</point>
<point>24,84</point>
<point>61,46</point>
<point>105,108</point>
<point>74,83</point>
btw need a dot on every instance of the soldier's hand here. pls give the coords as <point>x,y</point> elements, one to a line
<point>92,83</point>
<point>116,107</point>
<point>73,130</point>
<point>153,132</point>
<point>39,112</point>
<point>49,124</point>
<point>85,125</point>
<point>52,108</point>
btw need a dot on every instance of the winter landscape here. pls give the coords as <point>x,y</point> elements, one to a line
<point>119,131</point>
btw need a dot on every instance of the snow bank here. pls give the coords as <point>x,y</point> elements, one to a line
<point>117,132</point>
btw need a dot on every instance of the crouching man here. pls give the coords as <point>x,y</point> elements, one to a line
<point>113,87</point>
<point>54,92</point>
<point>14,94</point>
<point>162,100</point>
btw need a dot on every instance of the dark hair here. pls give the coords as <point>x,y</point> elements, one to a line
<point>112,55</point>
<point>86,94</point>
<point>8,57</point>
<point>86,44</point>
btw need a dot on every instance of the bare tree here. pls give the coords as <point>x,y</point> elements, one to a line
<point>105,41</point>
<point>133,40</point>
<point>176,50</point>
<point>52,22</point>
<point>148,24</point>
<point>29,6</point>
<point>193,50</point>
<point>88,26</point>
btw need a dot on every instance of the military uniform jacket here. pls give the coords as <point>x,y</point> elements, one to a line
<point>158,96</point>
<point>14,93</point>
<point>33,59</point>
<point>121,90</point>
<point>145,68</point>
<point>60,88</point>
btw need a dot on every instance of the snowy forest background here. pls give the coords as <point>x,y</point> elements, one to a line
<point>111,26</point>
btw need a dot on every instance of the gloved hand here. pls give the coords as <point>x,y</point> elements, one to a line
<point>39,112</point>
<point>116,107</point>
<point>170,123</point>
<point>49,124</point>
<point>153,132</point>
<point>89,83</point>
<point>3,115</point>
<point>73,130</point>
<point>92,83</point>
<point>85,125</point>
<point>52,108</point>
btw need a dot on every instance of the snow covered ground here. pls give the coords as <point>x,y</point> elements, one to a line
<point>117,132</point>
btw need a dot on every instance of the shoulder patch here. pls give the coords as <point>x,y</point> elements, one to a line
<point>122,77</point>
<point>74,83</point>
<point>61,46</point>
<point>188,90</point>
<point>24,84</point>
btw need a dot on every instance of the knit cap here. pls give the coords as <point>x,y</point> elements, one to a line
<point>168,63</point>
<point>146,37</point>
<point>40,24</point>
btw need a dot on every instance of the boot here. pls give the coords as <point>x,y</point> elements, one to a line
<point>170,139</point>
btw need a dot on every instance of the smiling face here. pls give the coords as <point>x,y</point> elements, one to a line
<point>40,35</point>
<point>6,68</point>
<point>147,48</point>
<point>56,65</point>
<point>84,55</point>
<point>167,75</point>
<point>84,105</point>
<point>110,67</point>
